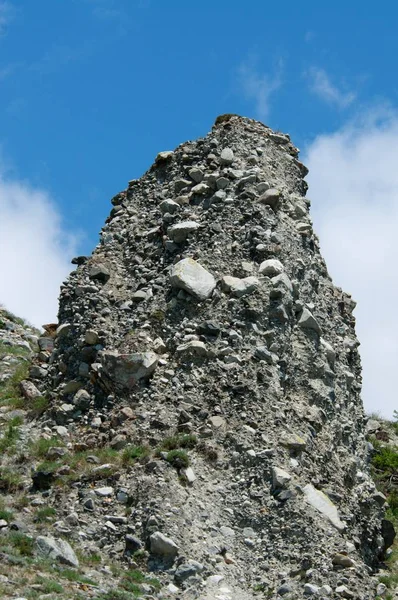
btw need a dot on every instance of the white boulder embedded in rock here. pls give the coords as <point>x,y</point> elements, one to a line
<point>190,276</point>
<point>271,267</point>
<point>321,502</point>
<point>227,156</point>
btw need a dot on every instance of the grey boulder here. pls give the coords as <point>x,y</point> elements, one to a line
<point>179,232</point>
<point>127,369</point>
<point>308,321</point>
<point>271,267</point>
<point>162,545</point>
<point>271,198</point>
<point>190,276</point>
<point>56,549</point>
<point>240,287</point>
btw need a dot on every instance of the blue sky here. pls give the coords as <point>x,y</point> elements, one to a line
<point>91,90</point>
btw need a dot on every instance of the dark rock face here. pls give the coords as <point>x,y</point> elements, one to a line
<point>208,283</point>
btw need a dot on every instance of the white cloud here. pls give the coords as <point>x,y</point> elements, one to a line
<point>258,87</point>
<point>321,85</point>
<point>35,252</point>
<point>354,189</point>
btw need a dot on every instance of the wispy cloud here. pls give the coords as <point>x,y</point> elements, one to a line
<point>6,15</point>
<point>321,85</point>
<point>354,190</point>
<point>107,10</point>
<point>258,87</point>
<point>35,251</point>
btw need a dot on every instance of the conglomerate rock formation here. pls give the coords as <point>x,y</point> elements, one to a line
<point>205,332</point>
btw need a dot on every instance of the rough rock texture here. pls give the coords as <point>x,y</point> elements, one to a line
<point>256,359</point>
<point>59,550</point>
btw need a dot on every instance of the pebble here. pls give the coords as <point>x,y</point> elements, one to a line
<point>104,491</point>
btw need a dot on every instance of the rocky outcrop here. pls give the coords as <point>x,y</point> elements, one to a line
<point>207,311</point>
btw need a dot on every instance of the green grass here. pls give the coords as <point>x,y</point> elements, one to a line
<point>138,577</point>
<point>10,481</point>
<point>384,465</point>
<point>174,442</point>
<point>49,466</point>
<point>11,436</point>
<point>7,350</point>
<point>132,453</point>
<point>45,514</point>
<point>10,393</point>
<point>48,586</point>
<point>131,583</point>
<point>38,406</point>
<point>40,447</point>
<point>7,515</point>
<point>389,580</point>
<point>72,575</point>
<point>386,459</point>
<point>11,317</point>
<point>178,458</point>
<point>17,543</point>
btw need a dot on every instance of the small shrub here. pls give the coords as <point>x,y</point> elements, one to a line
<point>21,501</point>
<point>40,447</point>
<point>223,118</point>
<point>138,577</point>
<point>173,442</point>
<point>129,586</point>
<point>209,452</point>
<point>178,458</point>
<point>45,514</point>
<point>139,555</point>
<point>158,315</point>
<point>10,481</point>
<point>38,406</point>
<point>21,542</point>
<point>132,453</point>
<point>48,466</point>
<point>386,459</point>
<point>6,515</point>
